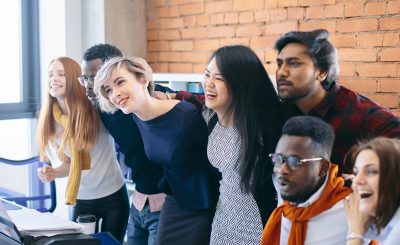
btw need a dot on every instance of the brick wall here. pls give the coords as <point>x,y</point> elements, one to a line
<point>181,34</point>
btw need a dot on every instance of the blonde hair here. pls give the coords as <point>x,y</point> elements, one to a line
<point>83,119</point>
<point>136,65</point>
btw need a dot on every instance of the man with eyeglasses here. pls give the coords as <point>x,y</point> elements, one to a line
<point>311,209</point>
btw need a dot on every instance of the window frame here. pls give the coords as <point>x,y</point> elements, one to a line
<point>30,61</point>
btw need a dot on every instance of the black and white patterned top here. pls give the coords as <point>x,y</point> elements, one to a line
<point>237,219</point>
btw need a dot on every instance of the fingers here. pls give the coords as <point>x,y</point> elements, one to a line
<point>46,173</point>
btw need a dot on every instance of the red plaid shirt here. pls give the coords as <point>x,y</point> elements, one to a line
<point>354,118</point>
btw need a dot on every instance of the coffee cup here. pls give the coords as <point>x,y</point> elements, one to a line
<point>89,223</point>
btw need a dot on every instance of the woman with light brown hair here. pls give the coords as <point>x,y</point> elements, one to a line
<point>373,209</point>
<point>73,139</point>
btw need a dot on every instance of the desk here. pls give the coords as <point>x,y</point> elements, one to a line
<point>8,205</point>
<point>102,238</point>
<point>66,239</point>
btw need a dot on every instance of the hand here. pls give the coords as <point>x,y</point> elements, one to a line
<point>160,95</point>
<point>46,173</point>
<point>357,221</point>
<point>164,96</point>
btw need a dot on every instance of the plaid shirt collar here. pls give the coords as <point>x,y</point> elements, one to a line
<point>325,105</point>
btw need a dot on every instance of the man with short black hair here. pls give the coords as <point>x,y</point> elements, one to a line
<point>307,182</point>
<point>307,76</point>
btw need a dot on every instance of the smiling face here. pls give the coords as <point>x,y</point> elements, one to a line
<point>215,89</point>
<point>298,185</point>
<point>57,80</point>
<point>366,181</point>
<point>125,91</point>
<point>296,74</point>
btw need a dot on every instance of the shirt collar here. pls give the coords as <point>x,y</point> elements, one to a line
<point>322,108</point>
<point>314,197</point>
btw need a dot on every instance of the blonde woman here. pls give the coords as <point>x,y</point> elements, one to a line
<point>71,136</point>
<point>174,136</point>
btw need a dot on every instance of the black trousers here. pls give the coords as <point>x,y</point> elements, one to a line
<point>112,209</point>
<point>178,225</point>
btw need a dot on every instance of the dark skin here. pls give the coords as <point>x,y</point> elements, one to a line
<point>299,185</point>
<point>89,70</point>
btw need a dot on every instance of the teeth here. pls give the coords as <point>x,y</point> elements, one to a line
<point>122,102</point>
<point>365,194</point>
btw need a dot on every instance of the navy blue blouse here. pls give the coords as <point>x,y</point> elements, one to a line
<point>177,140</point>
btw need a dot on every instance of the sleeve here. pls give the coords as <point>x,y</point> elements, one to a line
<point>163,89</point>
<point>197,100</point>
<point>52,154</point>
<point>381,122</point>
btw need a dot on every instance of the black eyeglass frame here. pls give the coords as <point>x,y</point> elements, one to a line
<point>84,80</point>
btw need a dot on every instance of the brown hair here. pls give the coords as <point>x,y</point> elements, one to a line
<point>388,152</point>
<point>83,119</point>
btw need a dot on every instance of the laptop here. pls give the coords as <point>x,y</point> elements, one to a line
<point>9,234</point>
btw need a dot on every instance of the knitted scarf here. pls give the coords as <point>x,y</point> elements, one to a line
<point>80,160</point>
<point>333,192</point>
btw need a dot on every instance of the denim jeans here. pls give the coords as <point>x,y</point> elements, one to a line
<point>142,226</point>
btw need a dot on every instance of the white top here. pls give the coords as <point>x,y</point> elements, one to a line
<point>237,219</point>
<point>104,176</point>
<point>390,235</point>
<point>328,228</point>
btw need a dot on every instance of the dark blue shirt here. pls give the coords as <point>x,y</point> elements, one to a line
<point>145,174</point>
<point>177,140</point>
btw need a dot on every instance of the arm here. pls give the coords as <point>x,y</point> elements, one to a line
<point>380,121</point>
<point>197,100</point>
<point>48,173</point>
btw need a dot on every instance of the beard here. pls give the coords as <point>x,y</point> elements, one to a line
<point>293,96</point>
<point>299,197</point>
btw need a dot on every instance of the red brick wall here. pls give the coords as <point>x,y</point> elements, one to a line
<point>181,35</point>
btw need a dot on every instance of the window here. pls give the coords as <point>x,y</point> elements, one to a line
<point>19,66</point>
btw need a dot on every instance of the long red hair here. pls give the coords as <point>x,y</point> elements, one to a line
<point>83,119</point>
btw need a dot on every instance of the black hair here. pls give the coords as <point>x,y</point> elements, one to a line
<point>254,106</point>
<point>321,133</point>
<point>322,52</point>
<point>102,51</point>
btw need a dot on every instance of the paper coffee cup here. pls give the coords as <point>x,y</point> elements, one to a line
<point>89,223</point>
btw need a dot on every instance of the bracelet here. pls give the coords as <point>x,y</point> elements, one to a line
<point>168,95</point>
<point>352,235</point>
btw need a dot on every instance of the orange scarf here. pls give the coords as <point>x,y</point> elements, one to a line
<point>333,192</point>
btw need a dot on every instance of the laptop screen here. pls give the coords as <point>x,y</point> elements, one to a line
<point>8,229</point>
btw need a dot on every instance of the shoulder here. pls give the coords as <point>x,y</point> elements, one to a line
<point>361,104</point>
<point>185,107</point>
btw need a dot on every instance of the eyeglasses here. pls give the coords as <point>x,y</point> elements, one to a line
<point>293,162</point>
<point>84,80</point>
